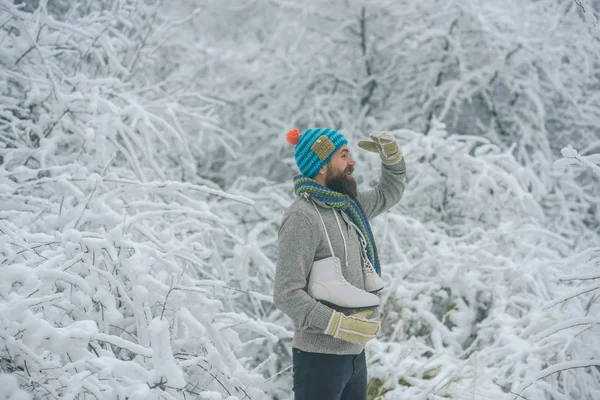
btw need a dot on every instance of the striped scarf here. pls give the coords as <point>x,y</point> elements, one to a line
<point>340,201</point>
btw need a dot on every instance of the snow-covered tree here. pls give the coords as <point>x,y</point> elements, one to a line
<point>144,172</point>
<point>111,283</point>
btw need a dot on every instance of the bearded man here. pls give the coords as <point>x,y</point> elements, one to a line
<point>327,270</point>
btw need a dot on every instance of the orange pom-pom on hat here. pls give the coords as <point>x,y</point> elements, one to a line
<point>293,137</point>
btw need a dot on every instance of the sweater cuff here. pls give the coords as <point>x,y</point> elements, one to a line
<point>321,316</point>
<point>398,165</point>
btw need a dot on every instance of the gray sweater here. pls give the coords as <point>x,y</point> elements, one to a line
<point>302,241</point>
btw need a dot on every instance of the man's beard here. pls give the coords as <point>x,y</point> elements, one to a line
<point>342,182</point>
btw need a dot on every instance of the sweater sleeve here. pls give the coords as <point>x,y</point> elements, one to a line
<point>298,242</point>
<point>388,191</point>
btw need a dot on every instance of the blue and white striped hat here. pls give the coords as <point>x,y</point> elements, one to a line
<point>314,148</point>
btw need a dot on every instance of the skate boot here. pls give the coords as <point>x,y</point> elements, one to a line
<point>327,283</point>
<point>373,283</point>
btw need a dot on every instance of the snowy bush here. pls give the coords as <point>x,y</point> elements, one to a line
<point>484,297</point>
<point>9,389</point>
<point>112,284</point>
<point>144,173</point>
<point>520,73</point>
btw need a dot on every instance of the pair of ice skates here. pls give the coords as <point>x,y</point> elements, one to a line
<point>326,282</point>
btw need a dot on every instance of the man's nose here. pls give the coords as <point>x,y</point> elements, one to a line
<point>351,161</point>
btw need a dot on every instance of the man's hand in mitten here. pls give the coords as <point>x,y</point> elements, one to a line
<point>355,328</point>
<point>385,144</point>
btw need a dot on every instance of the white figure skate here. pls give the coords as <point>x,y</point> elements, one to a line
<point>327,283</point>
<point>373,283</point>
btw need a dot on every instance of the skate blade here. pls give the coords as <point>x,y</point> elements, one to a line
<point>347,310</point>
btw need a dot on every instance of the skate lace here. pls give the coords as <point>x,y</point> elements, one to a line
<point>351,286</point>
<point>367,264</point>
<point>327,235</point>
<point>343,239</point>
<point>346,283</point>
<point>369,267</point>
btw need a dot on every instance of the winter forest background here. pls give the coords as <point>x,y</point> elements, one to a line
<point>144,171</point>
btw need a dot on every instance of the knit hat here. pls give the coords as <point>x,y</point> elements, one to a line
<point>314,148</point>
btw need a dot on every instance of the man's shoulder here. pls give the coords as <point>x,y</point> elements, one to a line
<point>302,218</point>
<point>299,207</point>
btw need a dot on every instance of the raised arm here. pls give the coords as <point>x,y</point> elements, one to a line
<point>390,188</point>
<point>388,191</point>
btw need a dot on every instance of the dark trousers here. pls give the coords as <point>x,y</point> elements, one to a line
<point>329,376</point>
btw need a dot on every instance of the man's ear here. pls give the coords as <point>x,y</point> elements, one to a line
<point>322,170</point>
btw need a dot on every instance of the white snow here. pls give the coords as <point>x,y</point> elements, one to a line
<point>144,173</point>
<point>10,390</point>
